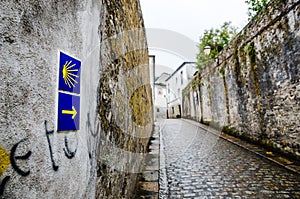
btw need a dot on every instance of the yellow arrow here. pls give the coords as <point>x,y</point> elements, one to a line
<point>73,112</point>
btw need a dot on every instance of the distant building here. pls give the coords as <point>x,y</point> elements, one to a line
<point>176,82</point>
<point>152,77</point>
<point>160,101</point>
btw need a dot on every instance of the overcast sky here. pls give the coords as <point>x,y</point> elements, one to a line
<point>192,17</point>
<point>189,18</point>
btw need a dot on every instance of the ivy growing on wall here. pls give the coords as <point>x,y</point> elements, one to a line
<point>255,6</point>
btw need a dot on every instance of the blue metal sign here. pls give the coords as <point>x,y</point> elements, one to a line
<point>69,73</point>
<point>68,112</point>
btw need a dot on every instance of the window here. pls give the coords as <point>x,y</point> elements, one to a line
<point>168,88</point>
<point>157,110</point>
<point>178,92</point>
<point>176,80</point>
<point>181,77</point>
<point>172,110</point>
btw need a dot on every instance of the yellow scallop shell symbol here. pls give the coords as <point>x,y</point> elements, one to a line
<point>69,74</point>
<point>4,160</point>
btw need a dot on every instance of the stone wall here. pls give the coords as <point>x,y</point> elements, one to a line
<point>125,98</point>
<point>37,161</point>
<point>253,92</point>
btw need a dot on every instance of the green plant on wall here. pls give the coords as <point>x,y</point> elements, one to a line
<point>255,6</point>
<point>216,39</point>
<point>194,84</point>
<point>251,53</point>
<point>222,70</point>
<point>106,159</point>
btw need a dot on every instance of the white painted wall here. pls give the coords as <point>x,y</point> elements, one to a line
<point>161,94</point>
<point>177,82</point>
<point>35,32</point>
<point>160,101</point>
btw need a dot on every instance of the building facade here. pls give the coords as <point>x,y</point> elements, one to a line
<point>160,100</point>
<point>175,83</point>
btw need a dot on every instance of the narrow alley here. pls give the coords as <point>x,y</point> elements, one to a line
<point>112,99</point>
<point>198,164</point>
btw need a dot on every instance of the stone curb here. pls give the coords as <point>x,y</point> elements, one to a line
<point>291,165</point>
<point>149,183</point>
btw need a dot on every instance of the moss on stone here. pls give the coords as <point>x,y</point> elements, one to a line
<point>215,125</point>
<point>123,50</point>
<point>236,61</point>
<point>134,58</point>
<point>140,103</point>
<point>222,70</point>
<point>254,73</point>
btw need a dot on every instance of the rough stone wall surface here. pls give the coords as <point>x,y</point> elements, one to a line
<point>125,98</point>
<point>254,91</point>
<point>186,103</point>
<point>206,100</point>
<point>36,161</point>
<point>218,105</point>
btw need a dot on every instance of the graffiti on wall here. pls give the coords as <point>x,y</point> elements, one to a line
<point>11,158</point>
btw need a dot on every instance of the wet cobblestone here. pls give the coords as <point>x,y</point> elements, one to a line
<point>199,164</point>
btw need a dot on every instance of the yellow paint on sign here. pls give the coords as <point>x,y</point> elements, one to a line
<point>73,112</point>
<point>4,160</point>
<point>68,75</point>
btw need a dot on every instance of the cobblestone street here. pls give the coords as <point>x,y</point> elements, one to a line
<point>197,164</point>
